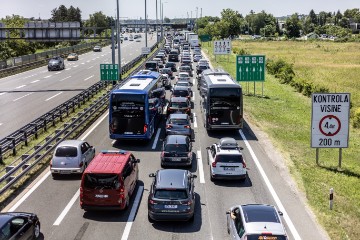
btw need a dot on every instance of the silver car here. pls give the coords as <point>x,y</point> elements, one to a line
<point>255,221</point>
<point>71,157</point>
<point>179,124</point>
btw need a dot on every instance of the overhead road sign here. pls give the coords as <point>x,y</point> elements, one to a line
<point>109,72</point>
<point>145,50</point>
<point>222,47</point>
<point>205,38</point>
<point>330,120</point>
<point>250,68</point>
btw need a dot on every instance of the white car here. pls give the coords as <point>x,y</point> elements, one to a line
<point>226,160</point>
<point>184,76</point>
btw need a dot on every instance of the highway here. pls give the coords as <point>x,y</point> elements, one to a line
<point>57,201</point>
<point>28,95</point>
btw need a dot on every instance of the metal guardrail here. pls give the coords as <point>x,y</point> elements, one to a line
<point>12,173</point>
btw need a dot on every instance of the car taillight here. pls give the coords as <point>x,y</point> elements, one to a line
<point>122,189</point>
<point>81,164</point>
<point>162,154</point>
<point>168,126</point>
<point>81,193</point>
<point>152,202</point>
<point>145,128</point>
<point>187,203</point>
<point>186,126</point>
<point>213,164</point>
<point>244,165</point>
<point>188,109</point>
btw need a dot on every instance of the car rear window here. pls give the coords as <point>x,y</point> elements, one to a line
<point>176,148</point>
<point>229,158</point>
<point>66,151</point>
<point>178,121</point>
<point>101,181</point>
<point>179,104</point>
<point>181,93</point>
<point>170,194</point>
<point>254,214</point>
<point>265,237</point>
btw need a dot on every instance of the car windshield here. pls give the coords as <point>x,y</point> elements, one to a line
<point>183,84</point>
<point>101,181</point>
<point>236,158</point>
<point>176,148</point>
<point>182,75</point>
<point>170,194</point>
<point>54,61</point>
<point>178,104</point>
<point>66,151</point>
<point>179,121</point>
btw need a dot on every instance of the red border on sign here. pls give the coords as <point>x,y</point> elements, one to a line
<point>330,134</point>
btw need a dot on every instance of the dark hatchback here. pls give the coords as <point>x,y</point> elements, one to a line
<point>56,63</point>
<point>178,123</point>
<point>179,105</point>
<point>176,151</point>
<point>181,91</point>
<point>173,57</point>
<point>171,65</point>
<point>19,225</point>
<point>172,195</point>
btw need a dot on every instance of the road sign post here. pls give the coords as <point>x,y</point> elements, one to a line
<point>109,72</point>
<point>330,121</point>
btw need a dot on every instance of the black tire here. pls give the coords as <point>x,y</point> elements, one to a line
<point>192,218</point>
<point>55,176</point>
<point>36,231</point>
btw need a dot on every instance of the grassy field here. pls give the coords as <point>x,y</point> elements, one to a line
<point>285,116</point>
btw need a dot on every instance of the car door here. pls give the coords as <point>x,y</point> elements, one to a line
<point>89,152</point>
<point>20,229</point>
<point>235,224</point>
<point>84,154</point>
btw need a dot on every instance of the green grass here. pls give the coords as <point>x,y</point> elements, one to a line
<point>285,116</point>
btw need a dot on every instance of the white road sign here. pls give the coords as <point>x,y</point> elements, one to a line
<point>222,47</point>
<point>145,50</point>
<point>330,120</point>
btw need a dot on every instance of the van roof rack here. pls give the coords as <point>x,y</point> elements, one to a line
<point>228,143</point>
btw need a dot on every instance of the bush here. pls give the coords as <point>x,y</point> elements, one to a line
<point>240,51</point>
<point>356,118</point>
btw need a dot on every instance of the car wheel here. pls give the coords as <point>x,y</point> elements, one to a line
<point>55,176</point>
<point>150,219</point>
<point>127,202</point>
<point>192,218</point>
<point>36,233</point>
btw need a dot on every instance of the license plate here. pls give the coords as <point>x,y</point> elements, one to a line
<point>101,195</point>
<point>171,206</point>
<point>128,132</point>
<point>176,159</point>
<point>65,172</point>
<point>229,169</point>
<point>224,123</point>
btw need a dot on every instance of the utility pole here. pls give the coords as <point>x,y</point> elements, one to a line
<point>118,38</point>
<point>145,26</point>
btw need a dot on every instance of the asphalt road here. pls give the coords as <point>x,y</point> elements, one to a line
<point>28,95</point>
<point>57,203</point>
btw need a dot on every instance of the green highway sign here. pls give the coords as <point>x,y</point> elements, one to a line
<point>250,68</point>
<point>109,72</point>
<point>205,38</point>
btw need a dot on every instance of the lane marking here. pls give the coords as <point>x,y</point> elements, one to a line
<point>193,97</point>
<point>156,139</point>
<point>131,217</point>
<point>65,78</point>
<point>20,86</point>
<point>82,63</point>
<point>22,97</point>
<point>67,208</point>
<point>44,71</point>
<point>75,66</point>
<point>90,67</point>
<point>88,61</point>
<point>200,166</point>
<point>58,73</point>
<point>95,126</point>
<point>67,69</point>
<point>48,76</point>
<point>93,59</point>
<point>35,81</point>
<point>53,96</point>
<point>1,124</point>
<point>88,78</point>
<point>281,207</point>
<point>23,198</point>
<point>2,93</point>
<point>195,120</point>
<point>113,142</point>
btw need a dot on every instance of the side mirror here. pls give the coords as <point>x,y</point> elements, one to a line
<point>152,175</point>
<point>194,176</point>
<point>280,213</point>
<point>207,148</point>
<point>227,212</point>
<point>137,160</point>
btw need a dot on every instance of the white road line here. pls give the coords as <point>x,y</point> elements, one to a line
<point>93,59</point>
<point>131,217</point>
<point>20,86</point>
<point>88,78</point>
<point>281,207</point>
<point>195,120</point>
<point>2,93</point>
<point>1,124</point>
<point>88,61</point>
<point>53,96</point>
<point>95,126</point>
<point>48,76</point>
<point>67,208</point>
<point>58,73</point>
<point>113,142</point>
<point>67,69</point>
<point>23,198</point>
<point>200,166</point>
<point>82,63</point>
<point>90,67</point>
<point>193,81</point>
<point>22,97</point>
<point>156,138</point>
<point>65,78</point>
<point>75,66</point>
<point>44,71</point>
<point>193,97</point>
<point>35,81</point>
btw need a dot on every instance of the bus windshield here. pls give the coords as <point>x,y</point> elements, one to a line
<point>128,113</point>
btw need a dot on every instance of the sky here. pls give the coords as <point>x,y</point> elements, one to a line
<point>135,9</point>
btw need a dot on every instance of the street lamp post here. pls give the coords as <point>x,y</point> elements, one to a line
<point>118,37</point>
<point>146,43</point>
<point>156,25</point>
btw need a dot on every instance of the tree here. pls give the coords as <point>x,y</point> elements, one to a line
<point>233,20</point>
<point>166,20</point>
<point>312,18</point>
<point>63,14</point>
<point>98,19</point>
<point>293,26</point>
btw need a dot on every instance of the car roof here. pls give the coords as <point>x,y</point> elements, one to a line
<point>176,139</point>
<point>228,143</point>
<point>72,143</point>
<point>171,178</point>
<point>108,162</point>
<point>179,99</point>
<point>181,88</point>
<point>178,116</point>
<point>260,213</point>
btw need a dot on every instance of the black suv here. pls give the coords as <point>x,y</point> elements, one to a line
<point>176,151</point>
<point>172,195</point>
<point>56,63</point>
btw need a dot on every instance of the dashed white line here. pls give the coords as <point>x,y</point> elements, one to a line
<point>88,61</point>
<point>277,200</point>
<point>82,63</point>
<point>93,59</point>
<point>193,81</point>
<point>1,124</point>
<point>53,96</point>
<point>67,69</point>
<point>156,139</point>
<point>2,93</point>
<point>88,78</point>
<point>131,217</point>
<point>200,166</point>
<point>20,86</point>
<point>65,78</point>
<point>67,208</point>
<point>193,97</point>
<point>195,120</point>
<point>22,97</point>
<point>58,73</point>
<point>35,81</point>
<point>90,67</point>
<point>75,66</point>
<point>48,76</point>
<point>44,71</point>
